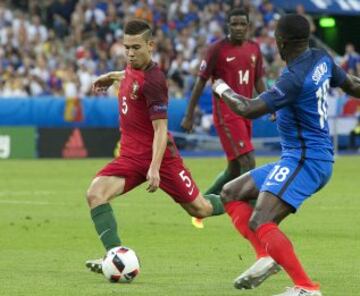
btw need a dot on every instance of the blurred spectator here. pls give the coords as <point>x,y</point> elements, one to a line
<point>51,42</point>
<point>301,10</point>
<point>94,14</point>
<point>71,82</point>
<point>86,77</point>
<point>351,59</point>
<point>36,31</point>
<point>13,87</point>
<point>144,12</point>
<point>267,45</point>
<point>5,15</point>
<point>60,10</point>
<point>268,11</point>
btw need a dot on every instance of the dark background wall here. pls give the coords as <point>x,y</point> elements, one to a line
<point>347,30</point>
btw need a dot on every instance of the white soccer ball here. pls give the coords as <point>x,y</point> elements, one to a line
<point>120,265</point>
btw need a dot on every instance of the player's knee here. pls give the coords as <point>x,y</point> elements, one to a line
<point>94,198</point>
<point>227,193</point>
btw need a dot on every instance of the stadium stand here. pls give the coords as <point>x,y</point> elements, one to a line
<point>57,47</point>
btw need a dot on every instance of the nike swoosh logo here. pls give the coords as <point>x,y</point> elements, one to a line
<point>192,190</point>
<point>102,233</point>
<point>229,59</point>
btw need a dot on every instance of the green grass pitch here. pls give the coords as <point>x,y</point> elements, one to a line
<point>46,235</point>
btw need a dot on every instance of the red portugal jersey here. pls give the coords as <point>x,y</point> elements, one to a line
<point>143,97</point>
<point>240,66</point>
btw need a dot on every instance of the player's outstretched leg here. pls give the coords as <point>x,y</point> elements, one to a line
<point>280,248</point>
<point>234,196</point>
<point>105,225</point>
<point>270,211</point>
<point>98,195</point>
<point>236,167</point>
<point>106,228</point>
<point>214,189</point>
<point>240,213</point>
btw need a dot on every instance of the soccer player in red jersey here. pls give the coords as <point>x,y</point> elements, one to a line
<point>238,62</point>
<point>148,152</point>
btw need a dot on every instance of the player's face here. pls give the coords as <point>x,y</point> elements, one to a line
<point>138,51</point>
<point>238,27</point>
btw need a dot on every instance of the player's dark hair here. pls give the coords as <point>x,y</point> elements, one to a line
<point>294,27</point>
<point>236,12</point>
<point>136,27</point>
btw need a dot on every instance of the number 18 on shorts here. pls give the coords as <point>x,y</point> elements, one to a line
<point>291,179</point>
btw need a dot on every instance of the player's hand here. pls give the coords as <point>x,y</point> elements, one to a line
<point>153,177</point>
<point>102,83</point>
<point>187,124</point>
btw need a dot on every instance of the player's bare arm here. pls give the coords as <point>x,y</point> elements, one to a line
<point>188,121</point>
<point>351,85</point>
<point>260,85</point>
<point>103,82</point>
<point>158,149</point>
<point>238,103</point>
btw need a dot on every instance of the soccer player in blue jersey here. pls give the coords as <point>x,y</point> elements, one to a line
<point>299,100</point>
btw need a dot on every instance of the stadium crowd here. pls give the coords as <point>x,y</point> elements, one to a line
<point>57,47</point>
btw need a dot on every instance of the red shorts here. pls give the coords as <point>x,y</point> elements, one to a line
<point>235,137</point>
<point>175,179</point>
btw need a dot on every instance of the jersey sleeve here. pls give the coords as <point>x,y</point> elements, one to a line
<point>283,93</point>
<point>338,76</point>
<point>155,92</point>
<point>207,65</point>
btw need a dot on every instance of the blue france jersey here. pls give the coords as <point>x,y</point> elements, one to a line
<point>299,97</point>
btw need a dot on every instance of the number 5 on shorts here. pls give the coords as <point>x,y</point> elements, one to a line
<point>186,179</point>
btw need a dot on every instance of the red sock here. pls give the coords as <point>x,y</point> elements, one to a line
<point>240,213</point>
<point>281,250</point>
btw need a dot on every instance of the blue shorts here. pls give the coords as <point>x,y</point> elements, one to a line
<point>291,180</point>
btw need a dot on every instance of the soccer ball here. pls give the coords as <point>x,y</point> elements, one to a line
<point>120,265</point>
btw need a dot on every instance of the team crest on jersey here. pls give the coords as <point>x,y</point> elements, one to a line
<point>203,65</point>
<point>134,90</point>
<point>253,60</point>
